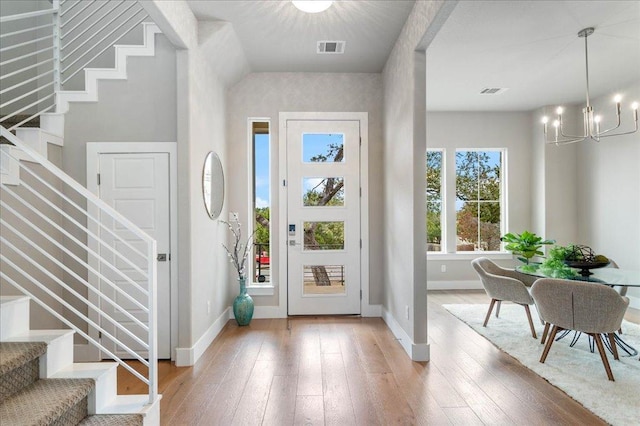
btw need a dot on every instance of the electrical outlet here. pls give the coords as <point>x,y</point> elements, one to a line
<point>208,306</point>
<point>443,268</point>
<point>406,311</point>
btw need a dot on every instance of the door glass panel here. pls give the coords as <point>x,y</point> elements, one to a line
<point>323,191</point>
<point>323,279</point>
<point>322,148</point>
<point>324,235</point>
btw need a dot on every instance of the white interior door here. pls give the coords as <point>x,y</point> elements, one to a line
<point>323,216</point>
<point>137,186</point>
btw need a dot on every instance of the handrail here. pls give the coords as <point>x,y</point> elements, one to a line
<point>76,186</point>
<point>26,15</point>
<point>73,326</point>
<point>66,287</point>
<point>138,330</point>
<point>79,256</point>
<point>107,47</point>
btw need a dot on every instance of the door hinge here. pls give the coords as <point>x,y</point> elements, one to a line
<point>100,332</point>
<point>98,179</point>
<point>361,294</point>
<point>284,182</point>
<point>361,141</point>
<point>360,243</point>
<point>360,191</point>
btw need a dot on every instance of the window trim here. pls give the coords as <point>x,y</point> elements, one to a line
<point>448,209</point>
<point>256,288</point>
<point>443,202</point>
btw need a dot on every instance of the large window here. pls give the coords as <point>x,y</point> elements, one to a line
<point>478,207</point>
<point>478,200</point>
<point>434,200</point>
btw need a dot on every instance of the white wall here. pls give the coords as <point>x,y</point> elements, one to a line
<point>404,248</point>
<point>510,130</point>
<point>265,95</point>
<point>608,190</point>
<point>204,267</point>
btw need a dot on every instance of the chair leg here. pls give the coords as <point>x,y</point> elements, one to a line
<point>544,333</point>
<point>498,308</point>
<point>614,347</point>
<point>603,355</point>
<point>552,337</point>
<point>533,330</point>
<point>486,320</point>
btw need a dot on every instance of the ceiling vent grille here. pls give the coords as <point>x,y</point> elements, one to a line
<point>331,47</point>
<point>493,90</point>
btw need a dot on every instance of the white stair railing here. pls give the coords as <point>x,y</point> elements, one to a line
<point>64,247</point>
<point>42,50</point>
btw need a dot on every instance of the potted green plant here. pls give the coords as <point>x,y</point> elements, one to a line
<point>525,245</point>
<point>554,265</point>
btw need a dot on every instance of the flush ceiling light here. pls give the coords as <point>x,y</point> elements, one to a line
<point>591,122</point>
<point>312,6</point>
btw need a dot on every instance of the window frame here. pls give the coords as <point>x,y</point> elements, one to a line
<point>449,216</point>
<point>443,221</point>
<point>255,288</point>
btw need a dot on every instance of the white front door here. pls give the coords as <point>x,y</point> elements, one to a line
<point>137,186</point>
<point>323,217</point>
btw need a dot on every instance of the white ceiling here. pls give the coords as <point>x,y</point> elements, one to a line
<point>277,37</point>
<point>529,47</point>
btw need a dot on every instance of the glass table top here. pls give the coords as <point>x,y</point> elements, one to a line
<point>610,276</point>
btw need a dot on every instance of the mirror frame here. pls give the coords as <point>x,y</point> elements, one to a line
<point>213,185</point>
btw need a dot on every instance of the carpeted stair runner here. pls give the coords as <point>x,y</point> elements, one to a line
<point>25,399</point>
<point>48,402</point>
<point>112,420</point>
<point>19,366</point>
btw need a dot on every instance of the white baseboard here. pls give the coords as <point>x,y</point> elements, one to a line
<point>189,356</point>
<point>454,285</point>
<point>634,302</point>
<point>417,352</point>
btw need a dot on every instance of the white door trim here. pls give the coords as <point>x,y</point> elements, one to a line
<point>94,149</point>
<point>366,309</point>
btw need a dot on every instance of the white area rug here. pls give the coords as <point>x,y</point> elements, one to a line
<point>576,371</point>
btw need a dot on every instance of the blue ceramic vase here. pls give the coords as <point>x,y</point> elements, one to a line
<point>243,305</point>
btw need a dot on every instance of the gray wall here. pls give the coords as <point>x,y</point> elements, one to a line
<point>404,170</point>
<point>141,108</point>
<point>265,95</point>
<point>608,189</point>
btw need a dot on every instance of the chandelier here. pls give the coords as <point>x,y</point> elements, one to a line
<point>591,122</point>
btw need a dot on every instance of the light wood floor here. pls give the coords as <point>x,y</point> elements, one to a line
<point>351,370</point>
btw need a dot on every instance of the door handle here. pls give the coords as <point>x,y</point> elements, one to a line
<point>162,257</point>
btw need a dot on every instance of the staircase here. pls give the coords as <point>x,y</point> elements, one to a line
<point>53,254</point>
<point>37,364</point>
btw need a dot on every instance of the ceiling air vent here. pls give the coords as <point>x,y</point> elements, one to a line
<point>331,47</point>
<point>493,90</point>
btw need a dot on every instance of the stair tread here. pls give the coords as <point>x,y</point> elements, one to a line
<point>46,336</point>
<point>112,420</point>
<point>35,404</point>
<point>15,354</point>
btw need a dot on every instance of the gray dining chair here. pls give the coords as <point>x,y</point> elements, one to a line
<point>590,308</point>
<point>501,284</point>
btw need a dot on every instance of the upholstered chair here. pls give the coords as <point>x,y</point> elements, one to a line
<point>590,308</point>
<point>502,284</point>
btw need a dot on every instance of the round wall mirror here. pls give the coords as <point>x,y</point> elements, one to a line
<point>213,185</point>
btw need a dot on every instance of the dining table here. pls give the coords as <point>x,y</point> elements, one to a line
<point>613,277</point>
